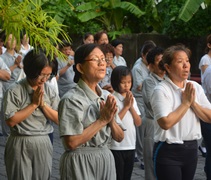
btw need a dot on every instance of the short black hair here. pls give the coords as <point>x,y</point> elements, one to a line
<point>147,46</point>
<point>116,42</point>
<point>35,61</point>
<point>153,53</point>
<point>81,53</point>
<point>107,48</point>
<point>117,74</point>
<point>64,44</point>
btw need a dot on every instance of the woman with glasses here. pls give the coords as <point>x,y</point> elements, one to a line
<point>29,106</point>
<point>88,120</point>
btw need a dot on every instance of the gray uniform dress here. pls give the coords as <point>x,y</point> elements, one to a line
<point>147,90</point>
<point>28,151</point>
<point>93,160</point>
<point>65,81</point>
<point>140,73</point>
<point>9,61</point>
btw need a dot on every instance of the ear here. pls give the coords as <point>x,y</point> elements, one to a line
<point>79,68</point>
<point>167,68</point>
<point>209,45</point>
<point>151,67</point>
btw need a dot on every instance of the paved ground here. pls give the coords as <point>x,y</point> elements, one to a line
<point>138,174</point>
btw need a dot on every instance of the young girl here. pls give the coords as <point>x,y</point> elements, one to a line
<point>124,152</point>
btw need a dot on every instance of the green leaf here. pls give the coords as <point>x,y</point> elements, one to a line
<point>189,9</point>
<point>86,6</point>
<point>86,16</point>
<point>131,8</point>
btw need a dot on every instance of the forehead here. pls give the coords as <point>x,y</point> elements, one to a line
<point>126,78</point>
<point>96,51</point>
<point>180,54</point>
<point>158,57</point>
<point>66,48</point>
<point>119,46</point>
<point>90,37</point>
<point>109,54</point>
<point>46,69</point>
<point>104,36</point>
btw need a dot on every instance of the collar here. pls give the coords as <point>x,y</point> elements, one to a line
<point>119,96</point>
<point>157,77</point>
<point>27,85</point>
<point>174,85</point>
<point>89,93</point>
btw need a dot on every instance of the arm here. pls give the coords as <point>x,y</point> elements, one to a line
<point>107,112</point>
<point>74,141</point>
<point>108,87</point>
<point>21,115</point>
<point>202,113</point>
<point>16,64</point>
<point>128,106</point>
<point>49,113</point>
<point>174,117</point>
<point>188,96</point>
<point>116,131</point>
<point>203,68</point>
<point>64,69</point>
<point>4,75</point>
<point>112,65</point>
<point>136,118</point>
<point>37,101</point>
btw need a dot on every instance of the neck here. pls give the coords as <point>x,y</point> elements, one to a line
<point>25,45</point>
<point>178,83</point>
<point>11,51</point>
<point>92,85</point>
<point>209,53</point>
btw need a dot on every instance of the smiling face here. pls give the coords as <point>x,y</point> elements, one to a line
<point>179,68</point>
<point>93,71</point>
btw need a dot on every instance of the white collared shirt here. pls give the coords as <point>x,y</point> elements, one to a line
<point>165,99</point>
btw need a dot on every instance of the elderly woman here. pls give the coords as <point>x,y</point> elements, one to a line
<point>178,104</point>
<point>88,119</point>
<point>29,106</point>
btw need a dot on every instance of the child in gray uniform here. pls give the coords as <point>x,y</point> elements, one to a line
<point>29,105</point>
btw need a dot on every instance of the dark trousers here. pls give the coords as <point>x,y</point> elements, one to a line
<point>51,137</point>
<point>175,161</point>
<point>206,133</point>
<point>124,161</point>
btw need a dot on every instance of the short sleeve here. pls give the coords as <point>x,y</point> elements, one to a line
<point>70,117</point>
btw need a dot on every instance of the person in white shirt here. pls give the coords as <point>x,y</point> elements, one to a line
<point>118,49</point>
<point>124,151</point>
<point>206,59</point>
<point>178,105</point>
<point>203,64</point>
<point>25,46</point>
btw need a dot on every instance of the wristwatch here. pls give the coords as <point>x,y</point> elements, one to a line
<point>44,104</point>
